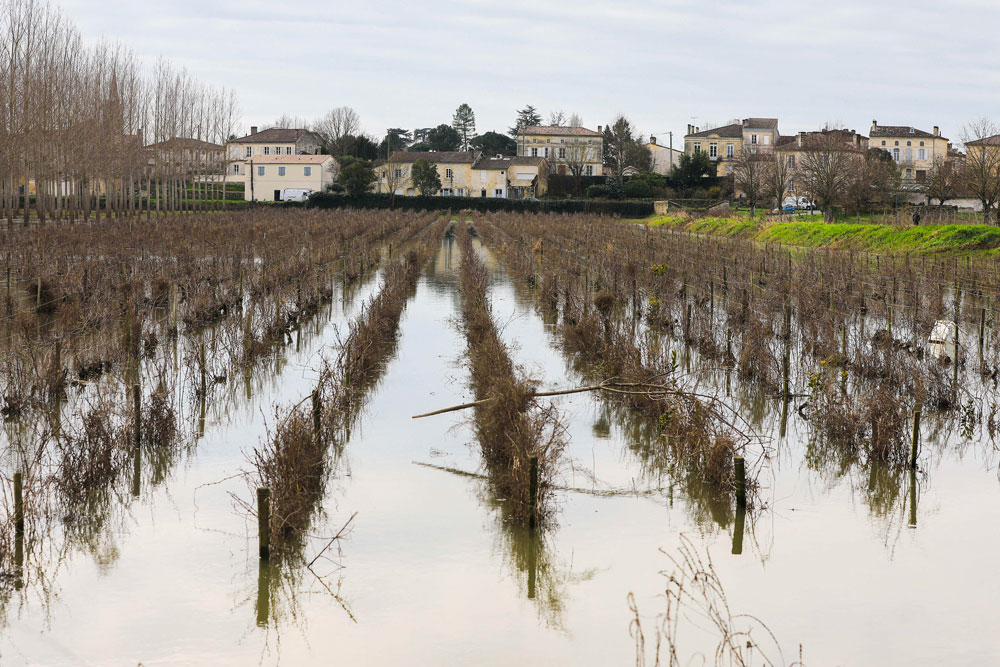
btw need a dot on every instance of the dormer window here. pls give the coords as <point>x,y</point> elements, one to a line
<point>909,143</point>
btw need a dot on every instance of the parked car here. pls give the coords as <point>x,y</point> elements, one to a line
<point>295,194</point>
<point>789,208</point>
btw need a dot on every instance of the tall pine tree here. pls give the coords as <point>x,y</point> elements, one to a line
<point>525,117</point>
<point>464,122</point>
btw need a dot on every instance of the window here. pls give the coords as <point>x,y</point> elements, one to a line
<point>236,168</point>
<point>562,153</point>
<point>791,186</point>
<point>730,150</point>
<point>909,143</point>
<point>883,142</point>
<point>249,151</point>
<point>534,152</point>
<point>307,171</point>
<point>922,154</point>
<point>921,143</point>
<point>895,143</point>
<point>713,150</point>
<point>498,192</point>
<point>260,171</point>
<point>588,170</point>
<point>767,139</point>
<point>546,152</point>
<point>448,173</point>
<point>909,172</point>
<point>697,148</point>
<point>445,192</point>
<point>281,171</point>
<point>791,161</point>
<point>895,154</point>
<point>753,139</point>
<point>459,192</point>
<point>397,173</point>
<point>267,150</point>
<point>277,150</point>
<point>288,150</point>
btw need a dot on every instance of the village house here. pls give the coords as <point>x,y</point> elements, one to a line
<point>564,148</point>
<point>268,175</point>
<point>663,157</point>
<point>915,151</point>
<point>467,174</point>
<point>725,144</point>
<point>268,143</point>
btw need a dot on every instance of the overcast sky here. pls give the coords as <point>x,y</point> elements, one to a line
<point>664,64</point>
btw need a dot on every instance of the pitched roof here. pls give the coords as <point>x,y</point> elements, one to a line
<point>276,134</point>
<point>761,123</point>
<point>782,140</point>
<point>289,159</point>
<point>558,131</point>
<point>900,131</point>
<point>985,141</point>
<point>441,157</point>
<point>176,143</point>
<point>733,131</point>
<point>508,162</point>
<point>848,139</point>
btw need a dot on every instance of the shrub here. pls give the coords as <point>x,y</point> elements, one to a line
<point>637,189</point>
<point>631,209</point>
<point>597,191</point>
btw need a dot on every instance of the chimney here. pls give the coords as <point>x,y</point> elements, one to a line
<point>798,138</point>
<point>652,140</point>
<point>689,129</point>
<point>253,129</point>
<point>874,124</point>
<point>937,131</point>
<point>949,145</point>
<point>598,129</point>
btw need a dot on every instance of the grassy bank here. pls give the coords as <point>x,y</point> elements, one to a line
<point>957,238</point>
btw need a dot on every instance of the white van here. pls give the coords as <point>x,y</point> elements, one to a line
<point>295,194</point>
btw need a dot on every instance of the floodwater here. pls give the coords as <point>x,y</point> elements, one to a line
<point>427,573</point>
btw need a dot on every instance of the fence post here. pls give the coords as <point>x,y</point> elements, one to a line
<point>915,442</point>
<point>740,470</point>
<point>264,522</point>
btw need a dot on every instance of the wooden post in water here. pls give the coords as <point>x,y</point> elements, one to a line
<point>264,522</point>
<point>982,333</point>
<point>18,504</point>
<point>915,442</point>
<point>913,498</point>
<point>533,491</point>
<point>740,472</point>
<point>38,294</point>
<point>263,593</point>
<point>201,359</point>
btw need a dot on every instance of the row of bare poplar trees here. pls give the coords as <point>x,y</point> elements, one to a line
<point>84,131</point>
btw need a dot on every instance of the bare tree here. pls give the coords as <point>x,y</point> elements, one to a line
<point>824,171</point>
<point>981,175</point>
<point>338,123</point>
<point>776,179</point>
<point>558,118</point>
<point>750,174</point>
<point>942,182</point>
<point>575,120</point>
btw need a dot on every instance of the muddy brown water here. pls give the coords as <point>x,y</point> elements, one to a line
<point>429,575</point>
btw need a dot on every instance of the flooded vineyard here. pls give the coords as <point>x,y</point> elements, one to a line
<point>296,437</point>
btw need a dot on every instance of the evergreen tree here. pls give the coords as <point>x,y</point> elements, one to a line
<point>464,122</point>
<point>526,117</point>
<point>425,177</point>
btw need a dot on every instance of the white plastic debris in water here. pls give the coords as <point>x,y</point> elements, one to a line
<point>941,342</point>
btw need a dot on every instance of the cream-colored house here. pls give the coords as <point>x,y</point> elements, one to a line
<point>268,175</point>
<point>664,157</point>
<point>915,151</point>
<point>564,148</point>
<point>466,174</point>
<point>724,144</point>
<point>269,143</point>
<point>202,160</point>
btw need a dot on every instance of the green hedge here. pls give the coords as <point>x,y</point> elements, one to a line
<point>630,209</point>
